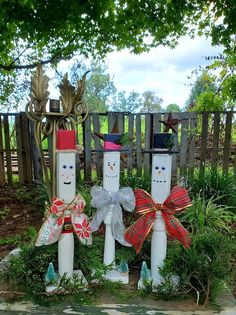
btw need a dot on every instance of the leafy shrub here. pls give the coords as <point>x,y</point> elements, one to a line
<point>214,183</point>
<point>26,271</point>
<point>208,215</point>
<point>204,268</point>
<point>134,181</point>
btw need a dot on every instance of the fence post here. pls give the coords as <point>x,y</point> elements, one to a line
<point>147,158</point>
<point>19,144</point>
<point>98,146</point>
<point>87,149</point>
<point>8,149</point>
<point>131,144</point>
<point>204,142</point>
<point>138,144</point>
<point>192,147</point>
<point>36,159</point>
<point>227,142</point>
<point>2,163</point>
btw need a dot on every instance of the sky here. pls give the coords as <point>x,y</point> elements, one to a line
<point>162,70</point>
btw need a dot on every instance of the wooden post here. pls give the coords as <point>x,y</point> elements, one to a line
<point>2,163</point>
<point>7,148</point>
<point>98,146</point>
<point>21,170</point>
<point>147,158</point>
<point>138,145</point>
<point>204,142</point>
<point>227,142</point>
<point>192,147</point>
<point>27,147</point>
<point>216,137</point>
<point>184,146</point>
<point>87,149</point>
<point>131,144</point>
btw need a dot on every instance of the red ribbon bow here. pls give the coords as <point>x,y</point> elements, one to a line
<point>58,222</point>
<point>177,201</point>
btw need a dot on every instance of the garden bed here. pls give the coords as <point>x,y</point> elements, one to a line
<point>21,213</point>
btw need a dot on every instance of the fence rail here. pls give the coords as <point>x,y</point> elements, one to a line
<point>204,140</point>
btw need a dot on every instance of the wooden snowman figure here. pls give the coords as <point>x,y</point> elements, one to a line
<point>109,201</point>
<point>66,215</point>
<point>160,190</point>
<point>158,210</point>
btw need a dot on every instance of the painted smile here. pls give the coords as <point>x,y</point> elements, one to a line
<point>67,183</point>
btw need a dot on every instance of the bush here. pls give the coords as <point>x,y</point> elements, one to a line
<point>207,215</point>
<point>204,268</point>
<point>214,183</point>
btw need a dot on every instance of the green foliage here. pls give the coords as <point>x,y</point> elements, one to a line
<point>172,108</point>
<point>203,94</point>
<point>214,183</point>
<point>169,142</point>
<point>100,89</point>
<point>130,103</point>
<point>89,258</point>
<point>53,31</point>
<point>4,212</point>
<point>204,268</point>
<point>225,65</point>
<point>135,181</point>
<point>151,102</point>
<point>19,239</point>
<point>206,215</point>
<point>27,270</point>
<point>126,254</point>
<point>208,101</point>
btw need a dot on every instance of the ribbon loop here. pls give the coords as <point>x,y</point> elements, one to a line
<point>102,199</point>
<point>56,223</point>
<point>177,201</point>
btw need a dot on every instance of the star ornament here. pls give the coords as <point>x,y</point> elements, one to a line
<point>170,123</point>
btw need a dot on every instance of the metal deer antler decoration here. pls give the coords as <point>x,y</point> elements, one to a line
<point>74,112</point>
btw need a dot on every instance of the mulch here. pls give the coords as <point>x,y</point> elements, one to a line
<point>17,214</point>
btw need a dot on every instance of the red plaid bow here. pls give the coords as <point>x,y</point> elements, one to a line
<point>177,201</point>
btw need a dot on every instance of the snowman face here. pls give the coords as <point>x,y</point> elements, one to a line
<point>111,167</point>
<point>66,175</point>
<point>111,171</point>
<point>161,175</point>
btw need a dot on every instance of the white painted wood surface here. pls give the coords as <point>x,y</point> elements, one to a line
<point>66,189</point>
<point>160,190</point>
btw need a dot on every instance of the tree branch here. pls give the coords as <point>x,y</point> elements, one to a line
<point>56,56</point>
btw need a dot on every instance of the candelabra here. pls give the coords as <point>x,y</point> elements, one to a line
<point>65,113</point>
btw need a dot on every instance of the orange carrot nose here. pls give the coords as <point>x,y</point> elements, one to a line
<point>159,172</point>
<point>111,167</point>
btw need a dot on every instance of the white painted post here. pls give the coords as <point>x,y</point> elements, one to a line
<point>160,190</point>
<point>66,188</point>
<point>111,182</point>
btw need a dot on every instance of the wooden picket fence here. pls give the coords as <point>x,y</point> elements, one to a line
<point>204,140</point>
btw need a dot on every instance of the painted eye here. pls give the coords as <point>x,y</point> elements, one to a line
<point>64,166</point>
<point>108,163</point>
<point>114,164</point>
<point>157,168</point>
<point>163,168</point>
<point>71,167</point>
